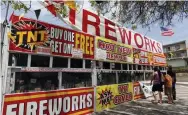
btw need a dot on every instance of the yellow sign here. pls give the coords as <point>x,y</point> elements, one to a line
<point>109,96</point>
<point>109,50</point>
<point>150,58</point>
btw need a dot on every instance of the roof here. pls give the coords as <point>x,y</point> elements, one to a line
<point>184,41</point>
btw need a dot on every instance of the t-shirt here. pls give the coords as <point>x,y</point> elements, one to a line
<point>156,78</point>
<point>168,81</point>
<point>173,75</point>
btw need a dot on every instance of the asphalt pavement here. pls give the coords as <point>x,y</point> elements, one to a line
<point>146,107</point>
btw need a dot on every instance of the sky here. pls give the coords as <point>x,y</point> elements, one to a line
<point>180,28</point>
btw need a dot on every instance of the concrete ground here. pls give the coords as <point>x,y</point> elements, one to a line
<point>145,107</point>
<point>182,78</point>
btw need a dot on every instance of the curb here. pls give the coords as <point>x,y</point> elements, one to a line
<point>182,83</point>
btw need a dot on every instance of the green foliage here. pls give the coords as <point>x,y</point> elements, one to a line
<point>144,13</point>
<point>134,27</point>
<point>93,3</point>
<point>17,5</point>
<point>63,11</point>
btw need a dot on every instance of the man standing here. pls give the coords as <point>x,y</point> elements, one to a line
<point>173,75</point>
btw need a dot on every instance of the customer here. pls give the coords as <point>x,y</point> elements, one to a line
<point>173,75</point>
<point>168,87</point>
<point>156,80</point>
<point>161,79</point>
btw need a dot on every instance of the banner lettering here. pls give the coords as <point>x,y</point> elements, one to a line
<point>91,23</point>
<point>109,96</point>
<point>142,57</point>
<point>31,36</point>
<point>109,50</point>
<point>159,60</point>
<point>59,102</point>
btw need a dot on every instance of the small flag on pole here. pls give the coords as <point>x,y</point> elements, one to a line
<point>166,31</point>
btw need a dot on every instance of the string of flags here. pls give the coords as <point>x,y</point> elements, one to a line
<point>50,7</point>
<point>37,13</point>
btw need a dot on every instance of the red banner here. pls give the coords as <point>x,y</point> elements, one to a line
<point>31,36</point>
<point>63,102</point>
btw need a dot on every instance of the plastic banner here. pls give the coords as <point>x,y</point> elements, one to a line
<point>147,89</point>
<point>32,36</point>
<point>60,102</point>
<point>109,96</point>
<point>108,50</point>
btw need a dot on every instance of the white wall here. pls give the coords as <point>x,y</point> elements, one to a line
<point>177,62</point>
<point>182,46</point>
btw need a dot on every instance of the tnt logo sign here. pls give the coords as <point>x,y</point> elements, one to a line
<point>28,35</point>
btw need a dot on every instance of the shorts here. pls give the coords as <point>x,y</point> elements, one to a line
<point>168,90</point>
<point>157,87</point>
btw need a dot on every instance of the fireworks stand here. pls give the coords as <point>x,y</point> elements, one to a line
<point>47,66</point>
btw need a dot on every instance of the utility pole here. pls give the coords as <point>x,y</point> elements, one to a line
<point>5,23</point>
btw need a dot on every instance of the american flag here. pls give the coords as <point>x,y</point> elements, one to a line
<point>166,31</point>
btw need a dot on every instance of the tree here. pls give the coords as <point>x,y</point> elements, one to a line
<point>144,13</point>
<point>17,5</point>
<point>25,6</point>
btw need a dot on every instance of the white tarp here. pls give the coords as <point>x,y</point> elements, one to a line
<point>147,89</point>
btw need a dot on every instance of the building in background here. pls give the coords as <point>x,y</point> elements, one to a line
<point>177,53</point>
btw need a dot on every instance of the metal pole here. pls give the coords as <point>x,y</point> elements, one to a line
<point>60,80</point>
<point>1,55</point>
<point>94,82</point>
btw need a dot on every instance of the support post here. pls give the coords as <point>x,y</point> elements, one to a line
<point>117,78</point>
<point>144,67</point>
<point>4,61</point>
<point>84,64</point>
<point>1,56</point>
<point>69,62</point>
<point>29,60</point>
<point>60,80</point>
<point>51,62</point>
<point>121,66</point>
<point>94,82</point>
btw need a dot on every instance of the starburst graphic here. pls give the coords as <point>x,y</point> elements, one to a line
<point>105,97</point>
<point>31,26</point>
